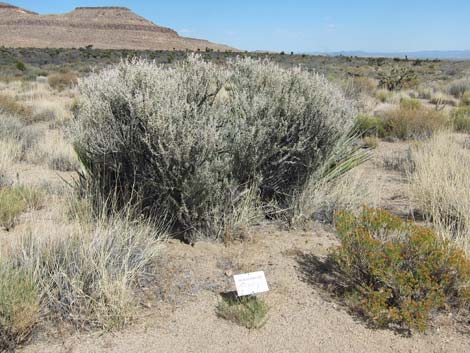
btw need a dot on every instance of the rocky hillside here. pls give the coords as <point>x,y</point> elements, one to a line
<point>101,27</point>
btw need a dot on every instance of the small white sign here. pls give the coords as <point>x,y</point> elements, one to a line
<point>251,283</point>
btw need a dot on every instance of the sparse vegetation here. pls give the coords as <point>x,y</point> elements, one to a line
<point>209,148</point>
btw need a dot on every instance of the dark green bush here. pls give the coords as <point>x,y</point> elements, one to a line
<point>396,272</point>
<point>20,66</point>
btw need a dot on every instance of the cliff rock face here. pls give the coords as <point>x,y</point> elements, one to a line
<point>102,27</point>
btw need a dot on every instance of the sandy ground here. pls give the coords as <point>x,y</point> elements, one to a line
<point>179,316</point>
<point>302,317</point>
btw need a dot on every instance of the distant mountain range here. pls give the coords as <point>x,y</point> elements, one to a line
<point>98,27</point>
<point>428,54</point>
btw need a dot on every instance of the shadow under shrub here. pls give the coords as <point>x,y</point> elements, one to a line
<point>206,144</point>
<point>393,272</point>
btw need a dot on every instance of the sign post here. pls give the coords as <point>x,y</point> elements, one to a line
<point>251,283</point>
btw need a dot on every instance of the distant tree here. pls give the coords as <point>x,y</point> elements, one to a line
<point>20,65</point>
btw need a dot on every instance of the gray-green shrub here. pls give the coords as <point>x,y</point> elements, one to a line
<point>196,140</point>
<point>457,88</point>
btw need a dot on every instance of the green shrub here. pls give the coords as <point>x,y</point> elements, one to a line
<point>413,123</point>
<point>250,312</point>
<point>397,78</point>
<point>204,143</point>
<point>459,87</point>
<point>19,307</point>
<point>20,66</point>
<point>397,272</point>
<point>460,119</point>
<point>370,126</point>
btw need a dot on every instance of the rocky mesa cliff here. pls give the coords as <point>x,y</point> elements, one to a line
<point>101,27</point>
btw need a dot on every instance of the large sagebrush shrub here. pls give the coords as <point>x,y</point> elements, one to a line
<point>202,142</point>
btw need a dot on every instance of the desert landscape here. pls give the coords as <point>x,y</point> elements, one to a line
<point>140,171</point>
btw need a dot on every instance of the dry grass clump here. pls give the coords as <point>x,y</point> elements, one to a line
<point>196,140</point>
<point>322,198</point>
<point>20,138</point>
<point>19,307</point>
<point>9,105</point>
<point>405,123</point>
<point>60,81</point>
<point>55,152</point>
<point>383,95</point>
<point>440,186</point>
<point>441,100</point>
<point>396,273</point>
<point>87,276</point>
<point>10,152</point>
<point>36,102</point>
<point>410,104</point>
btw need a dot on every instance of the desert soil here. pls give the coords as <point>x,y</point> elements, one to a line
<point>303,317</point>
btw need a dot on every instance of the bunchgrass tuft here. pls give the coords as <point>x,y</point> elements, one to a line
<point>250,312</point>
<point>19,306</point>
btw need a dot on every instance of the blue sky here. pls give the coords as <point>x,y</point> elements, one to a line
<point>302,25</point>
